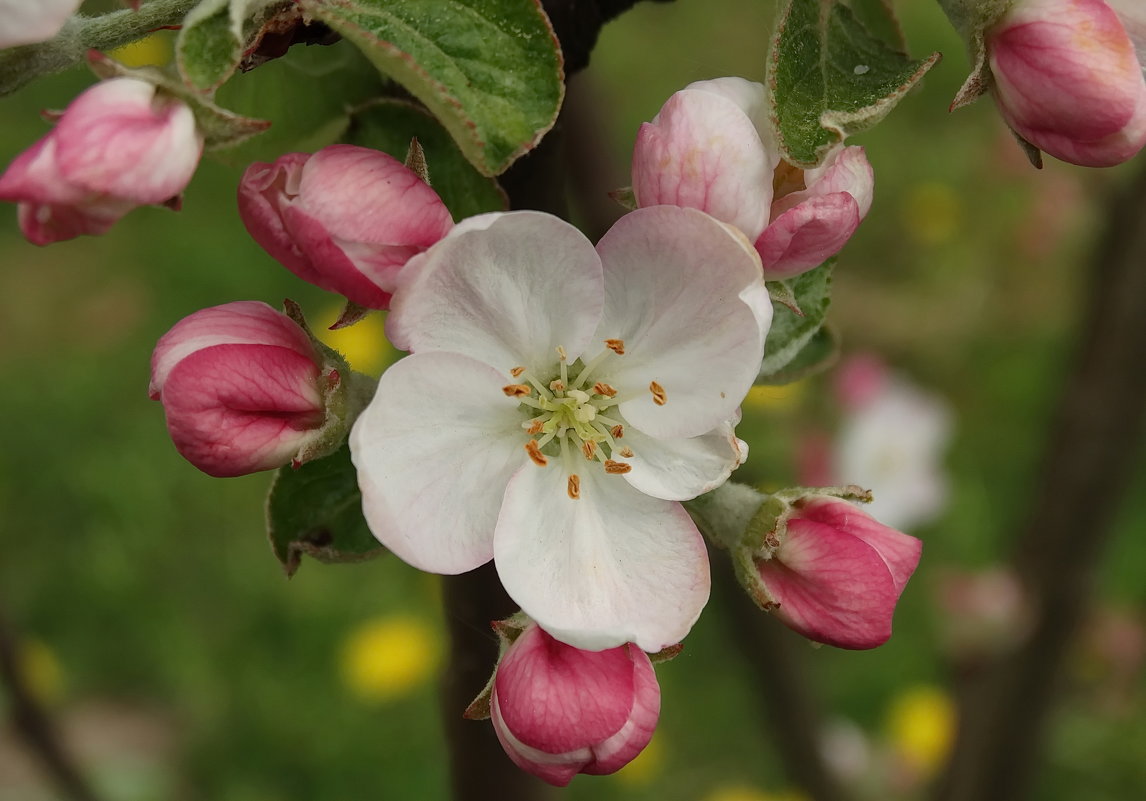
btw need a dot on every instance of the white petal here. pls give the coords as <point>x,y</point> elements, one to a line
<point>678,289</point>
<point>506,289</point>
<point>681,469</point>
<point>611,567</point>
<point>434,451</point>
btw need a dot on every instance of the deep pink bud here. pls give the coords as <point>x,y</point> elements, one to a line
<point>346,219</point>
<point>117,146</point>
<point>1067,79</point>
<point>29,21</point>
<point>241,387</point>
<point>711,147</point>
<point>837,574</point>
<point>559,711</point>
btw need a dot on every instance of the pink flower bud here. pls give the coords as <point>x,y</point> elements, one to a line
<point>118,145</point>
<point>711,147</point>
<point>837,574</point>
<point>242,387</point>
<point>31,21</point>
<point>346,219</point>
<point>1067,79</point>
<point>559,711</point>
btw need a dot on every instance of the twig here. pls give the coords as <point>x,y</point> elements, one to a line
<point>33,724</point>
<point>1004,705</point>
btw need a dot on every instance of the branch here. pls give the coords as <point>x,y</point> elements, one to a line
<point>34,726</point>
<point>1004,705</point>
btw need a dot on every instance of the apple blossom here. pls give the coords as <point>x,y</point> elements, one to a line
<point>346,219</point>
<point>1067,78</point>
<point>711,147</point>
<point>31,21</point>
<point>559,711</point>
<point>119,145</point>
<point>558,402</point>
<point>245,389</point>
<point>835,574</point>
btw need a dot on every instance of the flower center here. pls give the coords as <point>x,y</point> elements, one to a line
<point>567,416</point>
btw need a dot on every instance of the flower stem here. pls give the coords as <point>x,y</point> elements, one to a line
<point>21,65</point>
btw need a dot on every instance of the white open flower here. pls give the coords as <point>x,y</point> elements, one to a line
<point>558,402</point>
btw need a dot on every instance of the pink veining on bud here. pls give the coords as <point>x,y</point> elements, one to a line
<point>239,384</point>
<point>711,147</point>
<point>838,574</point>
<point>559,711</point>
<point>1068,80</point>
<point>346,219</point>
<point>31,21</point>
<point>119,145</point>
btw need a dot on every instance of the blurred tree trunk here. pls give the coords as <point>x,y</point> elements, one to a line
<point>1004,705</point>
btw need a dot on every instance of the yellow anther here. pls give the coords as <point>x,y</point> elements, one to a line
<point>617,468</point>
<point>557,385</point>
<point>516,371</point>
<point>561,353</point>
<point>535,426</point>
<point>617,431</point>
<point>616,345</point>
<point>601,388</point>
<point>626,451</point>
<point>534,451</point>
<point>574,486</point>
<point>659,397</point>
<point>589,448</point>
<point>517,390</point>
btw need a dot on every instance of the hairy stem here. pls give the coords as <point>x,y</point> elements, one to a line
<point>1005,704</point>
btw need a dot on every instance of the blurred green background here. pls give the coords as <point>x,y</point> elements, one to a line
<point>160,630</point>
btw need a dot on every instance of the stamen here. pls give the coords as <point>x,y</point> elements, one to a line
<point>534,426</point>
<point>532,403</point>
<point>574,486</point>
<point>534,451</point>
<point>659,397</point>
<point>626,451</point>
<point>557,385</point>
<point>517,390</point>
<point>616,468</point>
<point>593,364</point>
<point>616,345</point>
<point>617,431</point>
<point>541,390</point>
<point>601,388</point>
<point>589,448</point>
<point>517,371</point>
<point>561,353</point>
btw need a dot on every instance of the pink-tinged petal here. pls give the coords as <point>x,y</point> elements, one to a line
<point>752,99</point>
<point>860,380</point>
<point>245,322</point>
<point>845,170</point>
<point>119,138</point>
<point>1132,14</point>
<point>45,223</point>
<point>265,190</point>
<point>331,268</point>
<point>506,289</point>
<point>899,551</point>
<point>31,21</point>
<point>703,152</point>
<point>237,409</point>
<point>806,236</point>
<point>556,769</point>
<point>832,588</point>
<point>610,567</point>
<point>623,747</point>
<point>681,469</point>
<point>434,451</point>
<point>364,195</point>
<point>679,286</point>
<point>34,176</point>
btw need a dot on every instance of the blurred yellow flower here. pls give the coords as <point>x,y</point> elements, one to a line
<point>742,792</point>
<point>364,344</point>
<point>150,51</point>
<point>777,399</point>
<point>645,767</point>
<point>42,671</point>
<point>388,657</point>
<point>932,213</point>
<point>921,725</point>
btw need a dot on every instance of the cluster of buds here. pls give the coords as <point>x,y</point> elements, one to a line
<point>1067,78</point>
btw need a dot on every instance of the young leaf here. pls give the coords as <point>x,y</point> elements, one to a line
<point>879,19</point>
<point>207,52</point>
<point>388,125</point>
<point>791,332</point>
<point>490,70</point>
<point>829,78</point>
<point>818,354</point>
<point>316,510</point>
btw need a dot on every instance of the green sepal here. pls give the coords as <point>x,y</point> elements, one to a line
<point>507,631</point>
<point>829,78</point>
<point>491,71</point>
<point>799,308</point>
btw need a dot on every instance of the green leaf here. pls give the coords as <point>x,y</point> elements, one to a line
<point>829,78</point>
<point>879,19</point>
<point>489,70</point>
<point>791,332</point>
<point>818,354</point>
<point>316,510</point>
<point>207,51</point>
<point>388,125</point>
